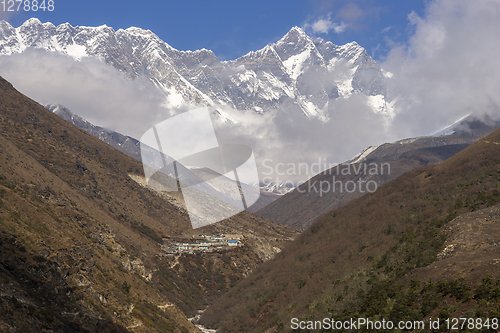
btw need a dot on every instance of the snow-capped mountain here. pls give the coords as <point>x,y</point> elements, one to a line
<point>296,71</point>
<point>279,188</point>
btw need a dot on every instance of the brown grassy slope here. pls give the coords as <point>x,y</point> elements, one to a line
<point>300,208</point>
<point>34,295</point>
<point>335,267</point>
<point>68,198</point>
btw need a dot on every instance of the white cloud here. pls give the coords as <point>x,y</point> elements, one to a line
<point>387,29</point>
<point>89,88</point>
<point>449,67</point>
<point>324,25</point>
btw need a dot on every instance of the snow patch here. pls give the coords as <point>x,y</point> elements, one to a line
<point>377,103</point>
<point>76,51</point>
<point>362,155</point>
<point>448,130</point>
<point>174,98</point>
<point>258,109</point>
<point>386,74</point>
<point>294,64</point>
<point>345,87</point>
<point>247,76</point>
<point>279,84</point>
<point>407,141</point>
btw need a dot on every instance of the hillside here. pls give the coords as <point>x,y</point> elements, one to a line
<point>376,165</point>
<point>75,226</point>
<point>423,245</point>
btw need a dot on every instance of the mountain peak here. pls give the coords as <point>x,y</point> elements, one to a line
<point>139,31</point>
<point>295,37</point>
<point>295,33</point>
<point>31,21</point>
<point>297,29</point>
<point>353,44</point>
<point>4,24</point>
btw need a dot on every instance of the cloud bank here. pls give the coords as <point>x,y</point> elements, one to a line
<point>89,88</point>
<point>449,68</point>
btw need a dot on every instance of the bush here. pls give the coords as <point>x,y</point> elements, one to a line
<point>144,229</point>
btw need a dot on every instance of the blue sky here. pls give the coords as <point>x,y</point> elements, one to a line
<point>233,28</point>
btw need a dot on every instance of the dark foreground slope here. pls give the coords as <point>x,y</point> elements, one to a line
<point>81,242</point>
<point>423,245</point>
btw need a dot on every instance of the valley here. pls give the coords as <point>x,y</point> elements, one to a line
<point>69,204</point>
<point>378,168</point>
